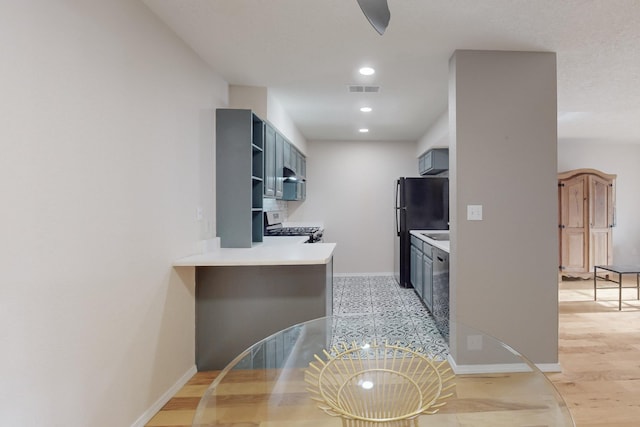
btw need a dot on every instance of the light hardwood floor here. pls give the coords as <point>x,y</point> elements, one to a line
<point>599,355</point>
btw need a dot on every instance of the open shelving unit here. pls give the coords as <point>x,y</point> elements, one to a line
<point>239,178</point>
<point>257,180</point>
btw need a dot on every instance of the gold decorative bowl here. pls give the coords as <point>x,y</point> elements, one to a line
<point>373,384</point>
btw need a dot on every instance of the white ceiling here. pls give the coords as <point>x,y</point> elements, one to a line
<point>307,52</point>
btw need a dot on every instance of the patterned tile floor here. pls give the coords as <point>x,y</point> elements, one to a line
<point>388,312</point>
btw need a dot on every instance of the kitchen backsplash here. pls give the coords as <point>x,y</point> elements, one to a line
<point>276,205</point>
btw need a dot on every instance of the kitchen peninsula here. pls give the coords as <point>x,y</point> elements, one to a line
<point>246,294</point>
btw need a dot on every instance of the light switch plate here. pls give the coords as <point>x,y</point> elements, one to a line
<point>474,212</point>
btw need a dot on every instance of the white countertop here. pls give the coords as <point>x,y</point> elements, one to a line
<point>280,250</point>
<point>440,244</point>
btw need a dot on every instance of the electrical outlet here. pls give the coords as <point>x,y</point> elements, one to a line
<point>199,213</point>
<point>474,342</point>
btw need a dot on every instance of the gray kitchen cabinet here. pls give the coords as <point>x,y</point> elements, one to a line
<point>419,286</point>
<point>294,190</point>
<point>286,155</point>
<point>415,263</point>
<point>270,156</point>
<point>295,187</point>
<point>239,177</point>
<point>294,160</point>
<point>421,270</point>
<point>427,275</point>
<point>280,143</point>
<point>434,161</point>
<point>303,166</point>
<point>298,157</point>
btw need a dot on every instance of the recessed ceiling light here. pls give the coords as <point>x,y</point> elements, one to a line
<point>367,71</point>
<point>365,109</point>
<point>363,130</point>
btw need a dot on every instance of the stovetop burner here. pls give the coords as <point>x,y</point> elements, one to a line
<point>291,231</point>
<point>273,227</point>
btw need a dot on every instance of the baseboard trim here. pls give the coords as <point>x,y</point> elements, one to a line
<point>549,367</point>
<point>166,396</point>
<point>500,368</point>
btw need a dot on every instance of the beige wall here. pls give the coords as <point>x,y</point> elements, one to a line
<point>437,136</point>
<point>503,156</point>
<point>267,107</point>
<point>107,150</point>
<point>277,115</point>
<point>350,186</point>
<point>249,97</point>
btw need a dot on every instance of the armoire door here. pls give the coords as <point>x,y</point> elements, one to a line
<point>586,204</point>
<point>573,225</point>
<point>600,221</point>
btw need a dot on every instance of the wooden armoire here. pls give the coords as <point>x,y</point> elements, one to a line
<point>587,216</point>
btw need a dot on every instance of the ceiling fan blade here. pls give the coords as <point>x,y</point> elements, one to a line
<point>377,12</point>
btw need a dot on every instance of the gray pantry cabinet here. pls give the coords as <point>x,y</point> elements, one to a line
<point>239,177</point>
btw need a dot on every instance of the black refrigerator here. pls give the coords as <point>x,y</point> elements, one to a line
<point>420,204</point>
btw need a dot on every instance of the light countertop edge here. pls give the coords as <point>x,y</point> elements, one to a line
<point>272,251</point>
<point>444,245</point>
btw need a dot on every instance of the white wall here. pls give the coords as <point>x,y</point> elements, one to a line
<point>622,160</point>
<point>350,186</point>
<point>106,126</point>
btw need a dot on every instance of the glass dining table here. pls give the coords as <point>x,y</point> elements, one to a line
<point>354,371</point>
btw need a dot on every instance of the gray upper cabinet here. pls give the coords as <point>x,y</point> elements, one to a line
<point>280,144</point>
<point>434,161</point>
<point>286,155</point>
<point>295,187</point>
<point>270,156</point>
<point>240,143</point>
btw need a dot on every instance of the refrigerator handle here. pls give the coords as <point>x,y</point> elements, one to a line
<point>397,207</point>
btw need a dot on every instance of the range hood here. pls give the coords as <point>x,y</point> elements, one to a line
<point>290,175</point>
